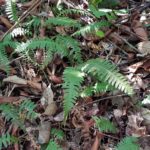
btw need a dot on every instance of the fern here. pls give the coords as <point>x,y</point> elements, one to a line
<point>91,28</point>
<point>67,42</point>
<point>4,59</point>
<point>104,125</point>
<point>11,114</point>
<point>99,69</point>
<point>63,45</point>
<point>96,88</point>
<point>52,145</point>
<point>11,10</point>
<point>107,72</point>
<point>18,114</point>
<point>62,21</point>
<point>27,107</point>
<point>18,32</point>
<point>128,143</point>
<point>72,83</point>
<point>59,134</point>
<point>6,140</point>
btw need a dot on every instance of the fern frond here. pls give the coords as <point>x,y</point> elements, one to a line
<point>6,140</point>
<point>64,43</point>
<point>108,73</point>
<point>96,88</point>
<point>91,28</point>
<point>11,114</point>
<point>128,143</point>
<point>72,11</point>
<point>62,21</point>
<point>59,134</point>
<point>4,62</point>
<point>18,32</point>
<point>104,125</point>
<point>72,83</point>
<point>27,107</point>
<point>52,145</point>
<point>11,10</point>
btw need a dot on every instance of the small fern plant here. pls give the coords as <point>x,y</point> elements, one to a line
<point>100,70</point>
<point>6,140</point>
<point>18,114</point>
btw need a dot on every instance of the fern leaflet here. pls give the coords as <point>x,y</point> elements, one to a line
<point>92,27</point>
<point>72,83</point>
<point>63,21</point>
<point>59,134</point>
<point>11,10</point>
<point>6,140</point>
<point>104,125</point>
<point>52,145</point>
<point>128,143</point>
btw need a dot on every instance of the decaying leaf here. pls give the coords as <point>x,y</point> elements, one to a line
<point>144,47</point>
<point>44,132</point>
<point>16,80</point>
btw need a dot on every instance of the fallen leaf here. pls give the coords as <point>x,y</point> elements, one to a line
<point>48,96</point>
<point>15,79</point>
<point>59,117</point>
<point>51,109</point>
<point>44,132</point>
<point>5,22</point>
<point>8,99</point>
<point>144,47</point>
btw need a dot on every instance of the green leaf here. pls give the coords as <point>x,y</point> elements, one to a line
<point>104,125</point>
<point>100,33</point>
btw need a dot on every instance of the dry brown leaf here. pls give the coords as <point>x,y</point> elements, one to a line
<point>139,30</point>
<point>16,80</point>
<point>144,47</point>
<point>6,22</point>
<point>8,99</point>
<point>59,117</point>
<point>35,85</point>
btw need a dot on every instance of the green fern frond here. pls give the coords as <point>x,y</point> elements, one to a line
<point>62,21</point>
<point>96,12</point>
<point>59,134</point>
<point>72,83</point>
<point>91,28</point>
<point>104,125</point>
<point>63,43</point>
<point>6,140</point>
<point>4,62</point>
<point>128,143</point>
<point>52,145</point>
<point>108,73</point>
<point>18,32</point>
<point>96,88</point>
<point>11,10</point>
<point>11,114</point>
<point>27,107</point>
<point>72,11</point>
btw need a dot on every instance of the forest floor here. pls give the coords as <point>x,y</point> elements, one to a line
<point>50,99</point>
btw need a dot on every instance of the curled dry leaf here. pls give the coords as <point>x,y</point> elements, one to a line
<point>16,80</point>
<point>144,47</point>
<point>44,132</point>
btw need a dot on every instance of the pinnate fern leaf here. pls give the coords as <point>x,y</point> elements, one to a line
<point>6,140</point>
<point>128,143</point>
<point>107,72</point>
<point>92,27</point>
<point>72,83</point>
<point>62,21</point>
<point>52,145</point>
<point>104,125</point>
<point>11,10</point>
